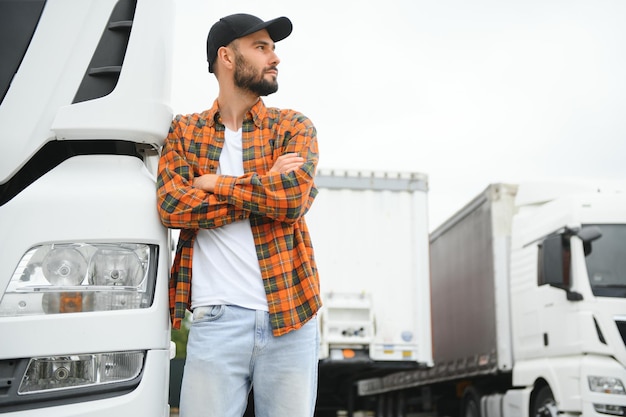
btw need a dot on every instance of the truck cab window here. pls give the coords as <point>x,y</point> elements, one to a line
<point>606,262</point>
<point>18,20</point>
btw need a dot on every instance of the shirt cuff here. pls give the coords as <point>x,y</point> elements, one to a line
<point>224,187</point>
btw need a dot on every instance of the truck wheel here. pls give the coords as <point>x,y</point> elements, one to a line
<point>470,407</point>
<point>544,404</point>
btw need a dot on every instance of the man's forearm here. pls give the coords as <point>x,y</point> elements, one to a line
<point>284,164</point>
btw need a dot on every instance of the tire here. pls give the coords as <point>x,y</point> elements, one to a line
<point>470,407</point>
<point>544,404</point>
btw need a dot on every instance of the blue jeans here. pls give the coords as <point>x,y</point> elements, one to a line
<point>231,349</point>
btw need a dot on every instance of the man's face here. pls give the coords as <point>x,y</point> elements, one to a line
<point>256,64</point>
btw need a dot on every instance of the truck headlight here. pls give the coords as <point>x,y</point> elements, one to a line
<point>65,372</point>
<point>64,265</point>
<point>81,277</point>
<point>606,385</point>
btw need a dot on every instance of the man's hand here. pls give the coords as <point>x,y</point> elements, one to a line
<point>287,163</point>
<point>205,182</point>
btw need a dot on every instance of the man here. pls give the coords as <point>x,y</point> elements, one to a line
<point>237,180</point>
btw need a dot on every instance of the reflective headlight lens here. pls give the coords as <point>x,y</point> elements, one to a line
<point>81,277</point>
<point>64,266</point>
<point>606,385</point>
<point>117,266</point>
<point>64,372</point>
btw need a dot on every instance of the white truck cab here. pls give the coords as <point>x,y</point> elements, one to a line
<point>569,314</point>
<point>84,107</point>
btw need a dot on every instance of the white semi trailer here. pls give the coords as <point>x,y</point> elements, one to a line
<point>84,260</point>
<point>370,235</point>
<point>528,309</point>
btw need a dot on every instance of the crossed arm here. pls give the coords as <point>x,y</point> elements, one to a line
<point>284,193</point>
<point>284,164</point>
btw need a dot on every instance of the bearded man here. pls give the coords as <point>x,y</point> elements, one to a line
<point>237,180</point>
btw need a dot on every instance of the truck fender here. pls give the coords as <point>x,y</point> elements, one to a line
<point>516,402</point>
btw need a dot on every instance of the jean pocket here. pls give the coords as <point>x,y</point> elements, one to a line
<point>208,314</point>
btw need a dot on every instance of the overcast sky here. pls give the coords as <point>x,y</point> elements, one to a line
<point>468,92</point>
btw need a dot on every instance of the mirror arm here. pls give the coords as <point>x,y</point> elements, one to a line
<point>573,295</point>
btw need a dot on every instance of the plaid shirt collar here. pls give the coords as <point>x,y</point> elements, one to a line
<point>257,113</point>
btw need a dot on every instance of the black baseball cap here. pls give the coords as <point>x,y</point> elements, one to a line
<point>236,26</point>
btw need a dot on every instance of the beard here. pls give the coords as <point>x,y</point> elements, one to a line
<point>248,78</point>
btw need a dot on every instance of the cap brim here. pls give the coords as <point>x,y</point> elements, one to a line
<point>278,28</point>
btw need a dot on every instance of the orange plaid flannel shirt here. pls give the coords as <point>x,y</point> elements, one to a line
<point>275,203</point>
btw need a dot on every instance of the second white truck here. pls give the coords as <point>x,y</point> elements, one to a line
<point>528,309</point>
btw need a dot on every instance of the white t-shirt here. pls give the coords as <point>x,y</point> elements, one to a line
<point>225,265</point>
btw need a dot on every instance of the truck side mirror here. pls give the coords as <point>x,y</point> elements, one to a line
<point>589,233</point>
<point>554,265</point>
<point>551,255</point>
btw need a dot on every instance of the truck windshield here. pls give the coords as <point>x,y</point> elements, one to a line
<point>606,261</point>
<point>18,20</point>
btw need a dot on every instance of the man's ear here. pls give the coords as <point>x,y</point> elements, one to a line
<point>226,57</point>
